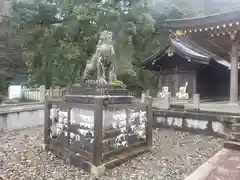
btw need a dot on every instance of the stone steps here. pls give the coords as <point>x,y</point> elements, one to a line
<point>233,138</point>
<point>235,145</point>
<point>236,127</point>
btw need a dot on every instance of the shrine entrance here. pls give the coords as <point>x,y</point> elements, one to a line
<point>176,80</point>
<point>218,37</point>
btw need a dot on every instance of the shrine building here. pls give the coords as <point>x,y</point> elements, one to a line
<point>203,52</point>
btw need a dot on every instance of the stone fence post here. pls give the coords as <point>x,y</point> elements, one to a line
<point>22,92</point>
<point>166,101</point>
<point>196,101</point>
<point>42,93</point>
<point>143,96</point>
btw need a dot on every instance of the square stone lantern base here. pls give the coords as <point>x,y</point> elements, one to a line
<point>94,88</point>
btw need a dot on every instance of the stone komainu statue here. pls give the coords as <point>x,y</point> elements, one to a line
<point>103,60</point>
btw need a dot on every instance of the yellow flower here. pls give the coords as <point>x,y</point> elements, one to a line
<point>116,82</point>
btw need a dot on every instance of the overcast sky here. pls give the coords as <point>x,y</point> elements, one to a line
<point>201,7</point>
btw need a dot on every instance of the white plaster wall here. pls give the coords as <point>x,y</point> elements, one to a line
<point>22,119</point>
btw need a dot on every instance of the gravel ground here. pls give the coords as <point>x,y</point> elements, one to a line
<point>175,155</point>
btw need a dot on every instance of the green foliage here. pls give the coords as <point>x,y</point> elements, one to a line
<point>10,54</point>
<point>4,83</point>
<point>57,42</point>
<point>59,36</point>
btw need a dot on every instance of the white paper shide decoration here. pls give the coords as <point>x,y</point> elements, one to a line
<point>138,122</point>
<point>134,125</point>
<point>82,122</point>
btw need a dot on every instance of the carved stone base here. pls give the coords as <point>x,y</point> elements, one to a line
<point>90,99</point>
<point>95,88</point>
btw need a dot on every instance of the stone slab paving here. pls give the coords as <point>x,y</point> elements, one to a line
<point>224,165</point>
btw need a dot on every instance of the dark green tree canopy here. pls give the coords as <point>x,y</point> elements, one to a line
<point>59,36</point>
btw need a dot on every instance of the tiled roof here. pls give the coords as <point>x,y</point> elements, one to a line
<point>186,49</point>
<point>222,18</point>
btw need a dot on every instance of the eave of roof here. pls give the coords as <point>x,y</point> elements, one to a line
<point>188,50</point>
<point>157,54</point>
<point>228,17</point>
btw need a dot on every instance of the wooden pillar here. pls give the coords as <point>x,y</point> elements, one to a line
<point>176,83</point>
<point>47,124</point>
<point>194,82</point>
<point>69,124</point>
<point>149,127</point>
<point>98,128</point>
<point>196,101</point>
<point>234,75</point>
<point>160,79</point>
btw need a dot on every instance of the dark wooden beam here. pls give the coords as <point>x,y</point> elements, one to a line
<point>98,134</point>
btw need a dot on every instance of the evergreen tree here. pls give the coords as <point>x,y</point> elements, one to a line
<point>60,36</point>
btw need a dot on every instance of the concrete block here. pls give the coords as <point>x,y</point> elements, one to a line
<point>143,95</point>
<point>98,171</point>
<point>196,101</point>
<point>166,101</point>
<point>42,91</point>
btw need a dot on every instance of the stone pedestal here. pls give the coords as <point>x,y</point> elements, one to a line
<point>97,130</point>
<point>94,88</point>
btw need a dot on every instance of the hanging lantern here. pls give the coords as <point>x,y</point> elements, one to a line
<point>180,33</point>
<point>232,36</point>
<point>189,59</point>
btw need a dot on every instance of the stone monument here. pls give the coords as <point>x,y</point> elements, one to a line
<point>103,60</point>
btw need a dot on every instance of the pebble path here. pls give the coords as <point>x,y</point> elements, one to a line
<point>174,156</point>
